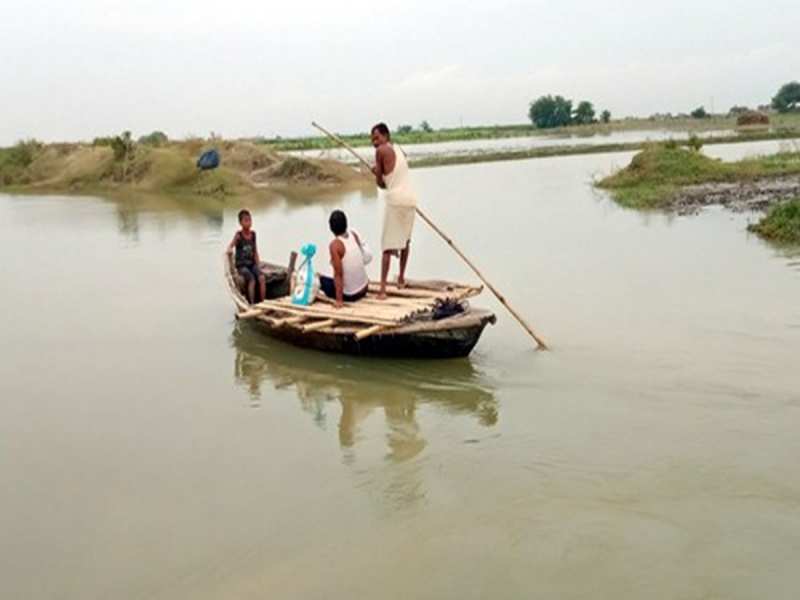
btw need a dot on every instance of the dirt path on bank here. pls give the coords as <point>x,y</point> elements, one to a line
<point>743,196</point>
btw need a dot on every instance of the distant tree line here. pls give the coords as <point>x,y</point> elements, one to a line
<point>549,111</point>
<point>424,127</point>
<point>785,101</point>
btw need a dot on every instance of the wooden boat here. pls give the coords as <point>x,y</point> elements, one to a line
<point>426,319</point>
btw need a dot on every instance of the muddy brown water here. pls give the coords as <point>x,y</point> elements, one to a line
<point>152,448</point>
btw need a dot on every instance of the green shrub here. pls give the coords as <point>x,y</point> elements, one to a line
<point>22,153</point>
<point>122,145</point>
<point>781,224</point>
<point>14,161</point>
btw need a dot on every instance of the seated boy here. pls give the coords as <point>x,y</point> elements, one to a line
<point>348,257</point>
<point>247,259</point>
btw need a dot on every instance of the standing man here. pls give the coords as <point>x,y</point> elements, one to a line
<point>391,175</point>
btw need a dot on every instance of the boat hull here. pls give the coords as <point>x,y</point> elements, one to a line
<point>445,339</point>
<point>452,336</point>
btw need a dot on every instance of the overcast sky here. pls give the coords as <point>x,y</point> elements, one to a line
<point>74,70</point>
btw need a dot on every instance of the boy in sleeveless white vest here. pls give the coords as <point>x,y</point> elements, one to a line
<point>349,255</point>
<point>392,175</point>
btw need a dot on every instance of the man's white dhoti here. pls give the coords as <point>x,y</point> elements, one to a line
<point>398,223</point>
<point>401,206</point>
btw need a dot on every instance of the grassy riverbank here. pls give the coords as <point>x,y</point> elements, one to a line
<point>787,125</point>
<point>667,176</point>
<point>169,168</point>
<point>781,224</point>
<point>657,174</point>
<point>165,169</point>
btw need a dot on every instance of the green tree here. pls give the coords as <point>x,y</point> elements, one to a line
<point>736,110</point>
<point>548,112</point>
<point>788,97</point>
<point>156,138</point>
<point>426,127</point>
<point>584,113</point>
<point>605,116</point>
<point>700,113</point>
<point>405,129</point>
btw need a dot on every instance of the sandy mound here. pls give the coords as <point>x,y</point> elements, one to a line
<point>291,170</point>
<point>168,168</point>
<point>752,117</point>
<point>246,157</point>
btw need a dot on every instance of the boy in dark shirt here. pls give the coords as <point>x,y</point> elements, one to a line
<point>247,259</point>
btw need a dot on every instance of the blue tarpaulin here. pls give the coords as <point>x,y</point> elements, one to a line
<point>208,160</point>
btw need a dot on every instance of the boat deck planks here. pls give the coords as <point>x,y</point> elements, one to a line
<point>370,314</point>
<point>368,310</point>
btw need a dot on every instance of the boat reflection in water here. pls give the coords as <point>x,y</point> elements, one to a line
<point>361,387</point>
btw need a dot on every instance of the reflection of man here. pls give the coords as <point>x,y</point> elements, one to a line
<point>403,432</point>
<point>392,174</point>
<point>316,384</point>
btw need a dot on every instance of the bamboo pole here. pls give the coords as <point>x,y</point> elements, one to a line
<point>539,341</point>
<point>250,314</point>
<point>413,292</point>
<point>341,314</point>
<point>369,308</point>
<point>318,325</point>
<point>369,331</point>
<point>290,321</point>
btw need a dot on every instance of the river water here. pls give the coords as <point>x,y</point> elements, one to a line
<point>150,447</point>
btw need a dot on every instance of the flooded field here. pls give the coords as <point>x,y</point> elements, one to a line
<point>489,146</point>
<point>150,447</point>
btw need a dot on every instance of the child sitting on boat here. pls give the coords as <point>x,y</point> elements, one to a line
<point>247,260</point>
<point>349,255</point>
